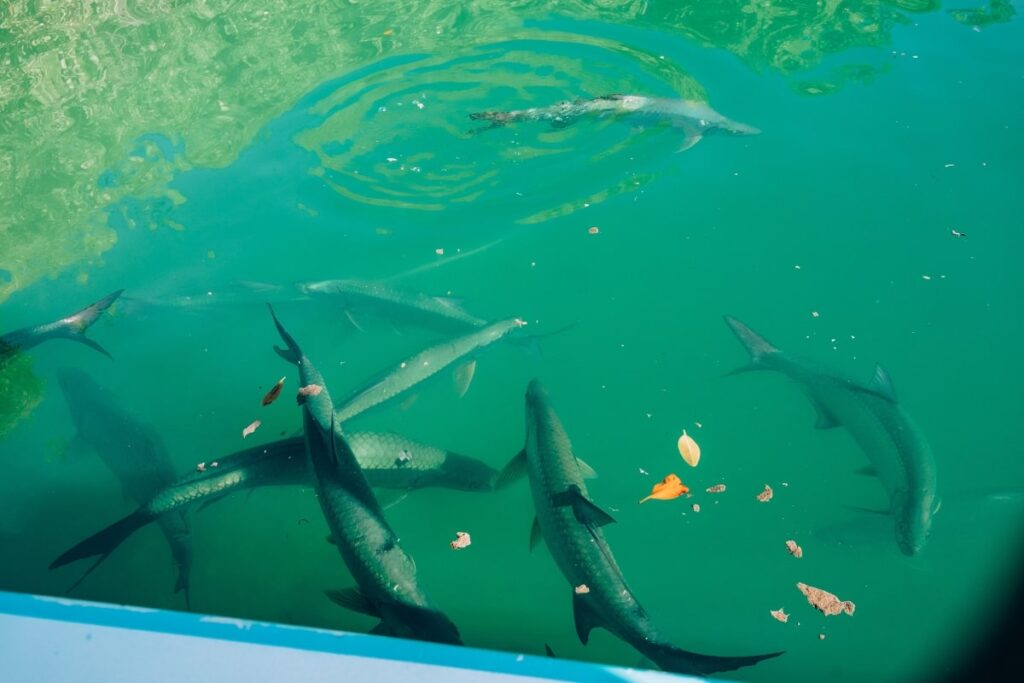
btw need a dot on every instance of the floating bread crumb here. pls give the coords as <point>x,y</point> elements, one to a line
<point>825,602</point>
<point>765,495</point>
<point>780,615</point>
<point>462,540</point>
<point>794,550</point>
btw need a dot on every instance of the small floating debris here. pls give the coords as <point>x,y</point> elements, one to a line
<point>201,467</point>
<point>310,390</point>
<point>274,392</point>
<point>689,449</point>
<point>643,471</point>
<point>582,589</point>
<point>825,602</point>
<point>765,495</point>
<point>926,277</point>
<point>794,550</point>
<point>251,428</point>
<point>957,233</point>
<point>404,456</point>
<point>696,507</point>
<point>593,230</point>
<point>461,541</point>
<point>214,464</point>
<point>439,251</point>
<point>717,488</point>
<point>815,314</point>
<point>668,488</point>
<point>821,636</point>
<point>780,615</point>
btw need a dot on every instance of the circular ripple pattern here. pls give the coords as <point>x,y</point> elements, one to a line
<point>400,136</point>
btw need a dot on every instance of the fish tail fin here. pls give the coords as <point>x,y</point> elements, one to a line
<point>676,660</point>
<point>292,353</point>
<point>757,346</point>
<point>74,326</point>
<point>103,542</point>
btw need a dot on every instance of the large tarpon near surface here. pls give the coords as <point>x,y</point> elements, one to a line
<point>72,327</point>
<point>389,461</point>
<point>694,119</point>
<point>569,521</point>
<point>871,414</point>
<point>424,365</point>
<point>385,575</point>
<point>133,451</point>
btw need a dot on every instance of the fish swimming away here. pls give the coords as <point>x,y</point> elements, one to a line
<point>694,119</point>
<point>385,575</point>
<point>878,424</point>
<point>133,452</point>
<point>389,461</point>
<point>73,327</point>
<point>422,366</point>
<point>569,521</point>
<point>360,299</point>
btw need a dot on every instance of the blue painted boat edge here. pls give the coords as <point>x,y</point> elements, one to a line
<point>305,638</point>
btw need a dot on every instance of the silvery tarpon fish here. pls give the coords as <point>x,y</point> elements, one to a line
<point>72,327</point>
<point>424,365</point>
<point>395,305</point>
<point>871,414</point>
<point>384,574</point>
<point>134,453</point>
<point>571,524</point>
<point>694,119</point>
<point>388,461</point>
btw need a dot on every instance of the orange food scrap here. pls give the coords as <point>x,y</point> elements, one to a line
<point>274,392</point>
<point>825,602</point>
<point>717,488</point>
<point>462,540</point>
<point>780,615</point>
<point>668,488</point>
<point>689,449</point>
<point>765,495</point>
<point>696,507</point>
<point>593,230</point>
<point>794,550</point>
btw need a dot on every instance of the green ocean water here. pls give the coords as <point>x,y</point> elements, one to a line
<point>177,149</point>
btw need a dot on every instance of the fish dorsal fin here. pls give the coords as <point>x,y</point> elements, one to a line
<point>584,615</point>
<point>352,599</point>
<point>585,511</point>
<point>882,384</point>
<point>514,470</point>
<point>826,420</point>
<point>536,536</point>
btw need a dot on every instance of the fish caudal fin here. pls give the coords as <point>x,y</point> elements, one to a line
<point>103,542</point>
<point>292,353</point>
<point>757,346</point>
<point>74,326</point>
<point>671,658</point>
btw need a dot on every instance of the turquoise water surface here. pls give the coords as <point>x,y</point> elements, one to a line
<point>207,157</point>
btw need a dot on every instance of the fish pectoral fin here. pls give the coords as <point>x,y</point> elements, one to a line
<point>584,615</point>
<point>352,599</point>
<point>381,629</point>
<point>870,511</point>
<point>689,142</point>
<point>211,500</point>
<point>352,320</point>
<point>826,420</point>
<point>548,651</point>
<point>867,471</point>
<point>585,510</point>
<point>513,471</point>
<point>330,539</point>
<point>464,377</point>
<point>536,535</point>
<point>389,499</point>
<point>881,382</point>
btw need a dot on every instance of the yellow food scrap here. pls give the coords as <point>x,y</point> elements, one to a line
<point>689,449</point>
<point>825,602</point>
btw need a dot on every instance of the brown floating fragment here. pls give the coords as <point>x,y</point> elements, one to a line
<point>765,495</point>
<point>274,392</point>
<point>717,488</point>
<point>825,602</point>
<point>794,550</point>
<point>780,615</point>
